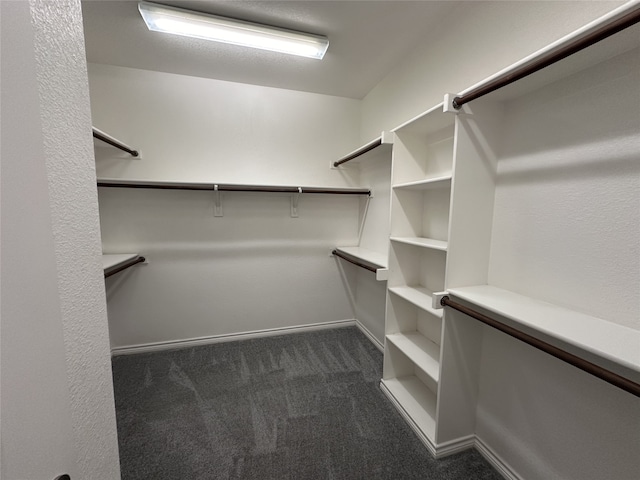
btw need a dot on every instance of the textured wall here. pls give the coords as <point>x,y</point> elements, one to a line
<point>65,113</point>
<point>36,432</point>
<point>566,226</point>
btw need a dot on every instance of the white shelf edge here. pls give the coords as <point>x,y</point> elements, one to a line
<point>436,108</point>
<point>370,256</point>
<point>110,260</point>
<point>426,184</point>
<point>375,259</point>
<point>424,353</point>
<point>116,141</point>
<point>423,242</point>
<point>417,401</point>
<point>383,144</point>
<point>419,296</point>
<point>596,336</point>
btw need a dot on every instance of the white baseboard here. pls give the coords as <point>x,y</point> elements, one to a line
<point>495,460</point>
<point>455,446</point>
<point>193,342</point>
<point>370,336</point>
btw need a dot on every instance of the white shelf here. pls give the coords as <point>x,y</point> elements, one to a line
<point>427,122</point>
<point>375,259</point>
<point>115,260</point>
<point>419,296</point>
<point>416,400</point>
<point>381,145</point>
<point>422,242</point>
<point>420,350</point>
<point>443,181</point>
<point>369,256</point>
<point>596,336</point>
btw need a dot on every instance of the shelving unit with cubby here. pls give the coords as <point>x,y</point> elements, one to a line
<point>422,176</point>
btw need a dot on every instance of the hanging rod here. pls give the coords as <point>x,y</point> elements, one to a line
<point>350,259</point>
<point>123,266</point>
<point>385,138</point>
<point>231,187</point>
<point>597,35</point>
<point>584,365</point>
<point>100,135</point>
<point>361,151</point>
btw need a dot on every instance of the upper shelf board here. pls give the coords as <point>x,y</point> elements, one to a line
<point>431,121</point>
<point>376,259</point>
<point>604,339</point>
<point>378,147</point>
<point>443,181</point>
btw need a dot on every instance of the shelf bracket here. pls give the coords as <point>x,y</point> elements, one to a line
<point>436,300</point>
<point>294,203</point>
<point>217,211</point>
<point>449,105</point>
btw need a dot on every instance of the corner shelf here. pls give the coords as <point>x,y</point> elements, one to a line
<point>375,260</point>
<point>381,145</point>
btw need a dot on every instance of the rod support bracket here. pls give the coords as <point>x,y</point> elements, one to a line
<point>294,203</point>
<point>437,300</point>
<point>449,104</point>
<point>217,210</point>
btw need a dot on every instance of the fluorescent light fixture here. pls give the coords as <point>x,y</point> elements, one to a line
<point>161,18</point>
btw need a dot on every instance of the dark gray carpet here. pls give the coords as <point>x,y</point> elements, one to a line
<point>292,407</point>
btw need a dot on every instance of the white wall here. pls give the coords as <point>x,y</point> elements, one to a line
<point>567,230</point>
<point>255,268</point>
<point>197,129</point>
<point>476,40</point>
<point>57,399</point>
<point>566,224</point>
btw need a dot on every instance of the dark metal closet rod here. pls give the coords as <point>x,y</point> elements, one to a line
<point>575,46</point>
<point>584,365</point>
<point>361,151</point>
<point>114,143</point>
<point>353,260</point>
<point>234,188</point>
<point>118,268</point>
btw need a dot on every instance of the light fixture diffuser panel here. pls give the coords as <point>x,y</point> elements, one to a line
<point>177,21</point>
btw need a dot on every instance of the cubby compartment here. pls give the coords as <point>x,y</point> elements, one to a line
<point>416,333</point>
<point>423,148</point>
<point>417,267</point>
<point>412,389</point>
<point>421,213</point>
<point>403,316</point>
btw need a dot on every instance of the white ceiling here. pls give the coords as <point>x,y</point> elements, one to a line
<point>367,38</point>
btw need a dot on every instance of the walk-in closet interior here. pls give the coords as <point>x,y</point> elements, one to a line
<point>431,235</point>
